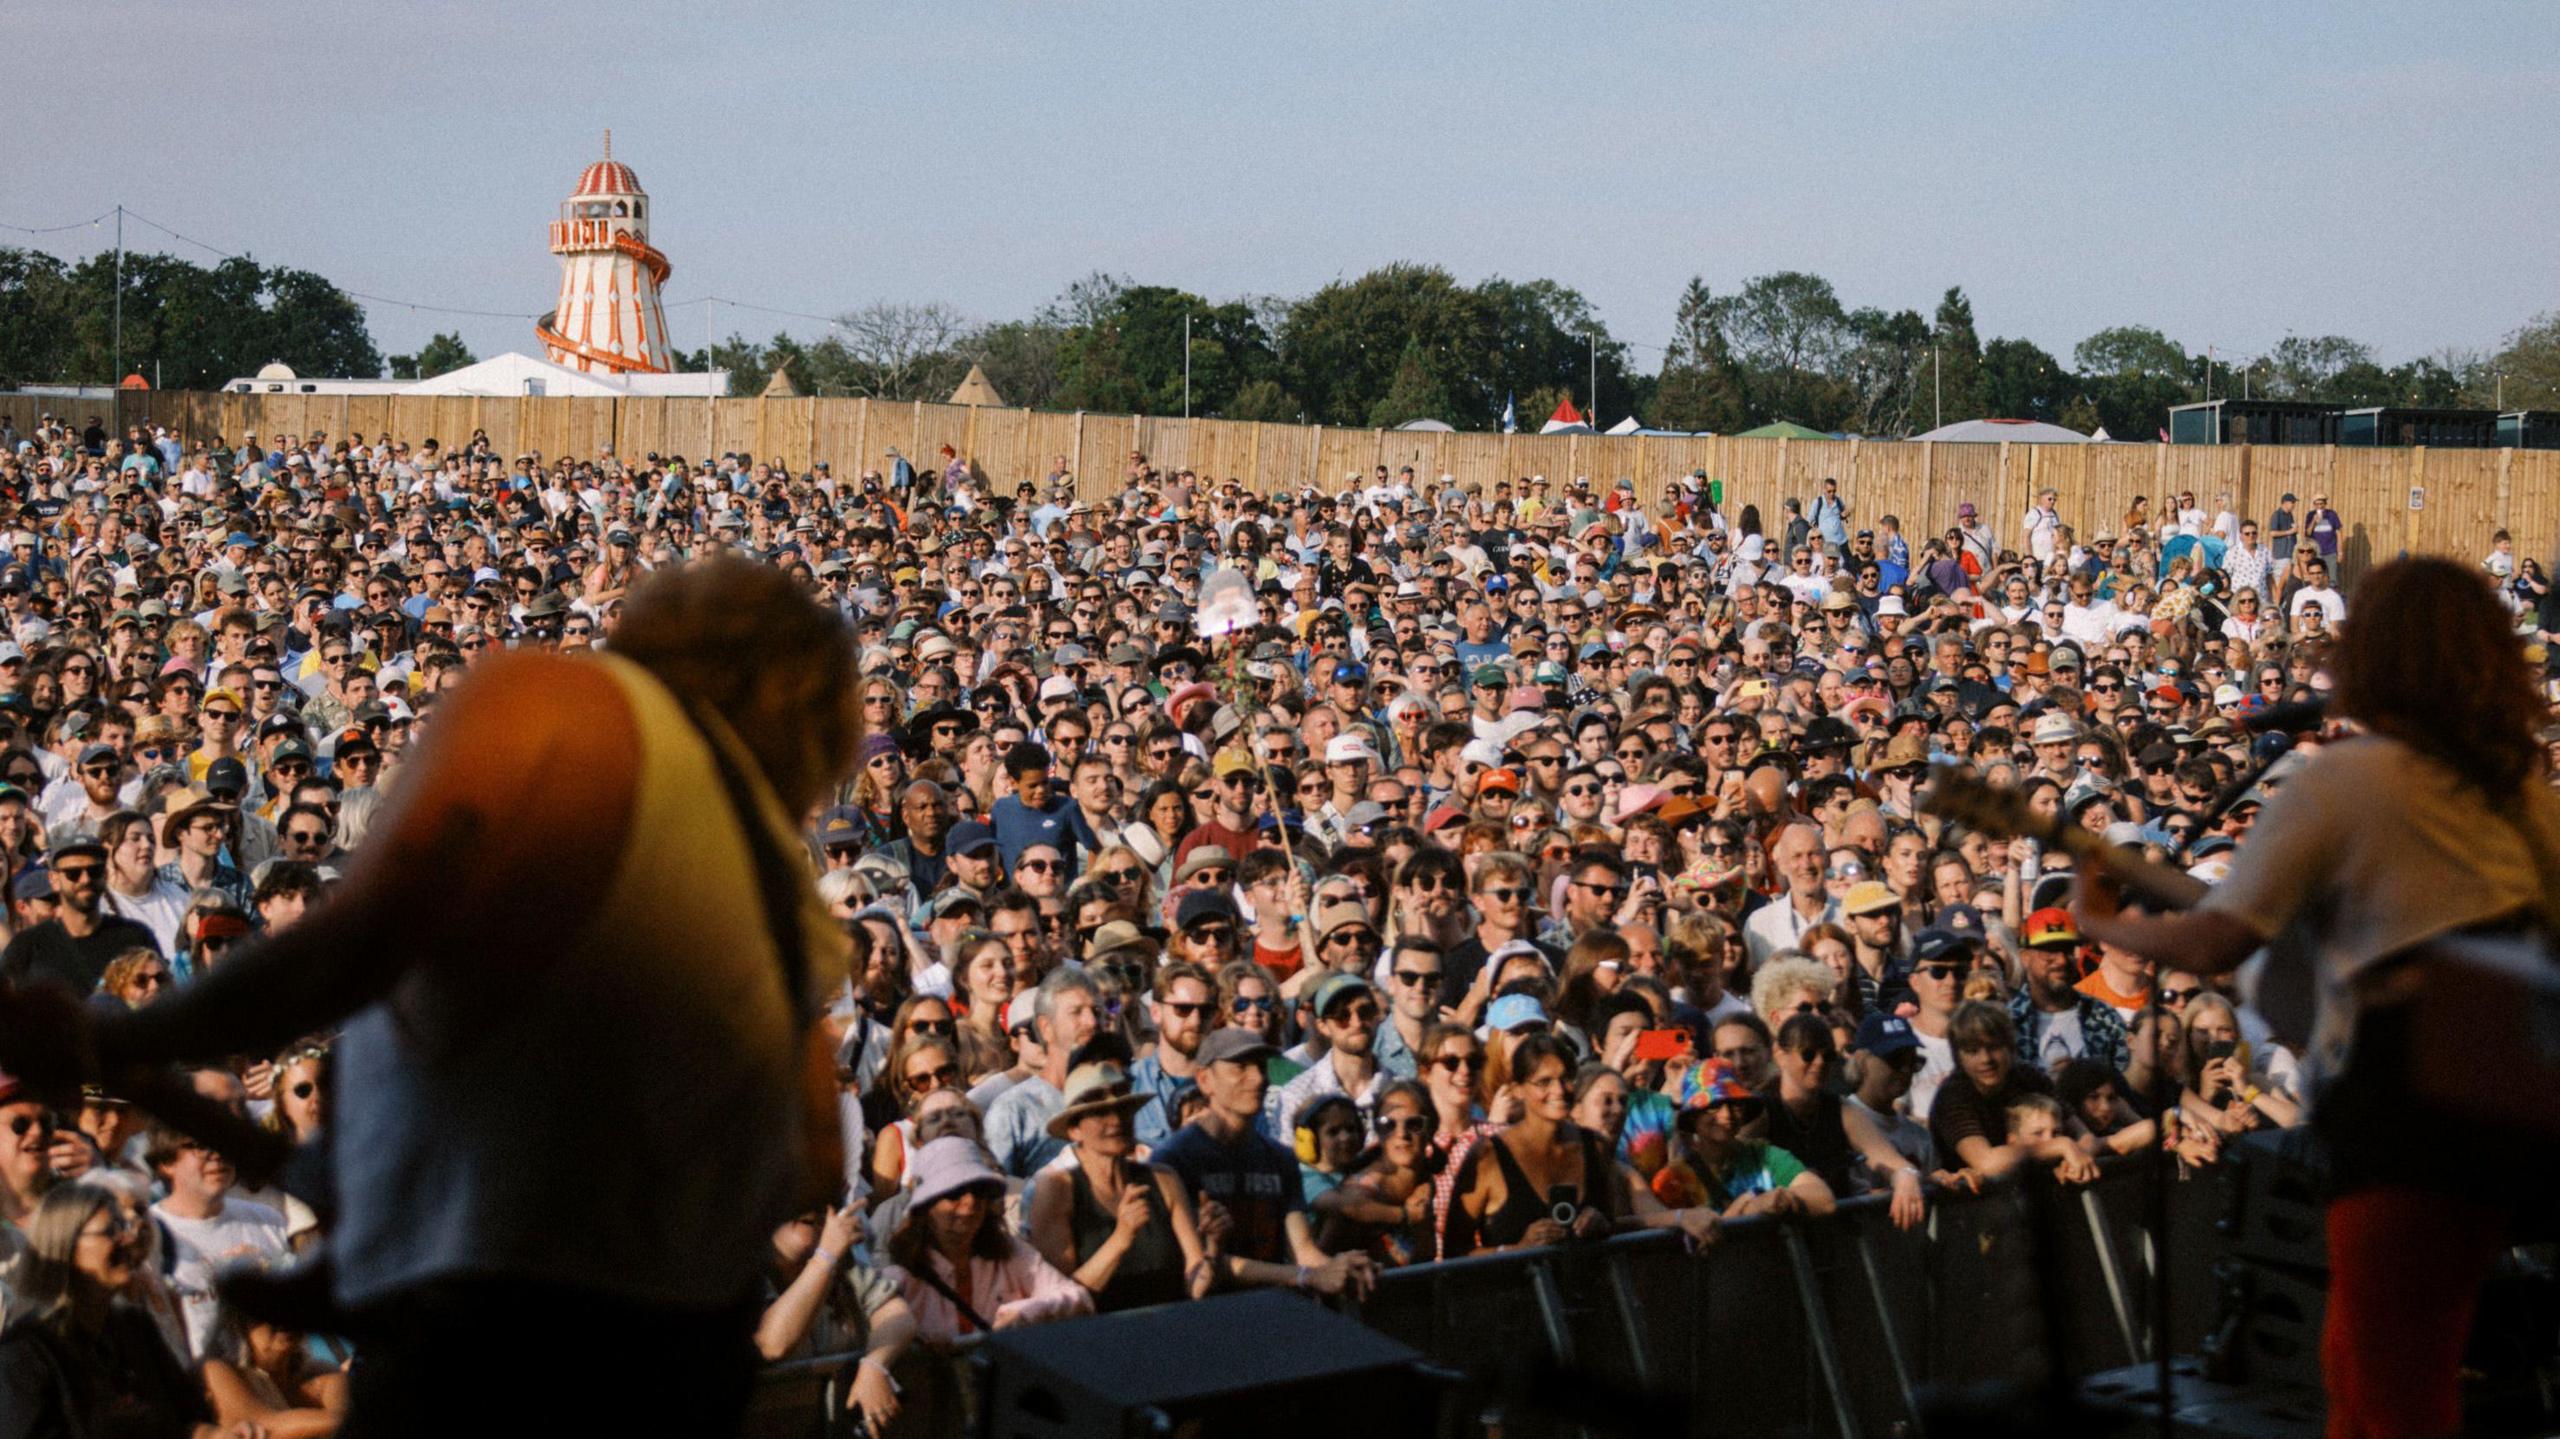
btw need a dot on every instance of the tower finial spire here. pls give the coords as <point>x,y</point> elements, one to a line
<point>608,142</point>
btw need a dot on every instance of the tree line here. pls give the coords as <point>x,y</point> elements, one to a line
<point>1401,343</point>
<point>1410,342</point>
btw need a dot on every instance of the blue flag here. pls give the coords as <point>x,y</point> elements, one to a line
<point>1510,425</point>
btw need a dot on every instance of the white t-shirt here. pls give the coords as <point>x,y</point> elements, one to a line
<point>2373,847</point>
<point>2333,605</point>
<point>244,1232</point>
<point>1938,1063</point>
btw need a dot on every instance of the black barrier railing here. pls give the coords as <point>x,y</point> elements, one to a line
<point>1834,1326</point>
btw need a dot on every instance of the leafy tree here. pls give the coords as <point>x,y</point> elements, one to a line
<point>2525,370</point>
<point>1265,400</point>
<point>1022,360</point>
<point>1414,394</point>
<point>1788,334</point>
<point>1956,390</point>
<point>440,355</point>
<point>1699,387</point>
<point>190,326</point>
<point>1342,345</point>
<point>1546,334</point>
<point>1129,354</point>
<point>1884,373</point>
<point>2311,367</point>
<point>2133,374</point>
<point>2021,382</point>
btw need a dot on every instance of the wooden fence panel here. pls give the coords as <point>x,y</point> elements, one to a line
<point>1284,458</point>
<point>2533,504</point>
<point>2370,490</point>
<point>2458,503</point>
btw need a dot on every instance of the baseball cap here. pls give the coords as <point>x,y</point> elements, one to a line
<point>1933,944</point>
<point>2050,927</point>
<point>1334,988</point>
<point>1514,1012</point>
<point>1503,780</point>
<point>1884,1036</point>
<point>1348,748</point>
<point>1231,1045</point>
<point>969,836</point>
<point>839,826</point>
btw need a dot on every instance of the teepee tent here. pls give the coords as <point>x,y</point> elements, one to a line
<point>975,390</point>
<point>780,386</point>
<point>1784,430</point>
<point>1566,421</point>
<point>1627,426</point>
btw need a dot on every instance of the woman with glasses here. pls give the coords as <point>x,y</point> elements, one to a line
<point>1384,1209</point>
<point>1249,998</point>
<point>924,1060</point>
<point>78,1357</point>
<point>135,978</point>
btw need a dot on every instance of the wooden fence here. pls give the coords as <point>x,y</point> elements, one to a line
<point>2435,501</point>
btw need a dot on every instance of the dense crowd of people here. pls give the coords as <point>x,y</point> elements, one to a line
<point>1243,889</point>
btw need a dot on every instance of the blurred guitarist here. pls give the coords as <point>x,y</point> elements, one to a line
<point>575,968</point>
<point>2436,823</point>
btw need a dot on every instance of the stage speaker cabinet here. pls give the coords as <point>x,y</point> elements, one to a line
<point>2279,1199</point>
<point>1239,1367</point>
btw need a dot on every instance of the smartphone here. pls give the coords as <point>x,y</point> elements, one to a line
<point>1662,1044</point>
<point>2219,1049</point>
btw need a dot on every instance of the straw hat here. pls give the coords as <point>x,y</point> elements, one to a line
<point>1094,1089</point>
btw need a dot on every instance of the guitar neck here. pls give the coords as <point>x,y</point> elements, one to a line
<point>2146,880</point>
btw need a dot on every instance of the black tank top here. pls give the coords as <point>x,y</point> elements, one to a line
<point>1821,1141</point>
<point>1151,1272</point>
<point>1522,1203</point>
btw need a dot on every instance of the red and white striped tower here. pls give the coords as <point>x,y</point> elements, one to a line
<point>609,317</point>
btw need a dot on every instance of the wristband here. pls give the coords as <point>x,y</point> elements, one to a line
<point>824,1255</point>
<point>1302,1276</point>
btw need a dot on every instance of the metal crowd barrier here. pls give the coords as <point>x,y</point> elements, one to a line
<point>1831,1327</point>
<point>1825,1327</point>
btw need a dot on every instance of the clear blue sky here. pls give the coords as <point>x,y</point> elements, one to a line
<point>2228,173</point>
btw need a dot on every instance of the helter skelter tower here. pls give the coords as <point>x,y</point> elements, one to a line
<point>609,317</point>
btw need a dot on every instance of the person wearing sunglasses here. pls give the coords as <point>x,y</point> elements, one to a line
<point>1348,1015</point>
<point>1184,1008</point>
<point>1505,914</point>
<point>75,946</point>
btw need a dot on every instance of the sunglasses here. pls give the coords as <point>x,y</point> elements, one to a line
<point>1215,932</point>
<point>1945,971</point>
<point>305,1089</point>
<point>24,1122</point>
<point>925,1081</point>
<point>1453,1063</point>
<point>1410,1126</point>
<point>939,1028</point>
<point>2176,997</point>
<point>1246,1004</point>
<point>1505,894</point>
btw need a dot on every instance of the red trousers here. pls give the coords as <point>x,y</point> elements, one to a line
<point>2405,1268</point>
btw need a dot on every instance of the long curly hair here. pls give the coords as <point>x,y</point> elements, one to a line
<point>2429,657</point>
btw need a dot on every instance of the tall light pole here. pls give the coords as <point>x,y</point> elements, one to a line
<point>1594,338</point>
<point>116,375</point>
<point>1937,389</point>
<point>1186,365</point>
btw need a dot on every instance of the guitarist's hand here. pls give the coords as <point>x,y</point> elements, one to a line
<point>2095,897</point>
<point>45,1039</point>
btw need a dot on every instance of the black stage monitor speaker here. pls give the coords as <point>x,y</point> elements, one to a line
<point>1248,1365</point>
